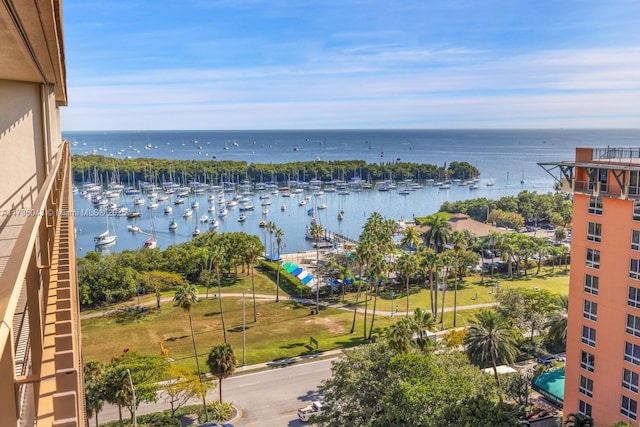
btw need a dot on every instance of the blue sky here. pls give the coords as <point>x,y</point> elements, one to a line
<point>306,64</point>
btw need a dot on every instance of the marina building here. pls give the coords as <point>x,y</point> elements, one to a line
<point>40,363</point>
<point>603,338</point>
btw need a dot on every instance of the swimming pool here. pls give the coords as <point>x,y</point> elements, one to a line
<point>551,386</point>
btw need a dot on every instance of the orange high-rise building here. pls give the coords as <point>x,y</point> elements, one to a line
<point>603,338</point>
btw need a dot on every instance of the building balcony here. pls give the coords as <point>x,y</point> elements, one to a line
<point>40,363</point>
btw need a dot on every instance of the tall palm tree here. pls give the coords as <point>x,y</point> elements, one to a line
<point>447,260</point>
<point>430,261</point>
<point>217,256</point>
<point>278,233</point>
<point>376,267</point>
<point>557,322</point>
<point>317,231</point>
<point>439,232</point>
<point>186,297</point>
<point>491,340</point>
<point>252,251</point>
<point>407,265</point>
<point>94,388</point>
<point>411,331</point>
<point>222,363</point>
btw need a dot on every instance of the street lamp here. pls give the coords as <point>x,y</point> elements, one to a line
<point>133,393</point>
<point>244,335</point>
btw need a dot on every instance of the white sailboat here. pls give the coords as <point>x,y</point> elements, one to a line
<point>105,238</point>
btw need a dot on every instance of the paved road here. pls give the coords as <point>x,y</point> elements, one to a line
<point>269,397</point>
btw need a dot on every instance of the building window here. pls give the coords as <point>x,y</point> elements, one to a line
<point>633,325</point>
<point>631,353</point>
<point>586,386</point>
<point>593,258</point>
<point>630,380</point>
<point>587,361</point>
<point>594,231</point>
<point>636,210</point>
<point>635,240</point>
<point>590,310</point>
<point>634,297</point>
<point>589,338</point>
<point>584,408</point>
<point>595,206</point>
<point>629,407</point>
<point>591,284</point>
<point>634,268</point>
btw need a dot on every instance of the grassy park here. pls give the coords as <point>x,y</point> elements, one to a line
<point>282,329</point>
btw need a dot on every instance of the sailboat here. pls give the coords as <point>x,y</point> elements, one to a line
<point>151,242</point>
<point>173,225</point>
<point>105,238</point>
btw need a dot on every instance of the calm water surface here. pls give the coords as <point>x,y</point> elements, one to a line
<point>504,158</point>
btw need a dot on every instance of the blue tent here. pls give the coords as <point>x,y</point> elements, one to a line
<point>291,268</point>
<point>296,271</point>
<point>286,265</point>
<point>307,279</point>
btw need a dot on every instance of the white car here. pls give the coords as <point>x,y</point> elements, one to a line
<point>313,409</point>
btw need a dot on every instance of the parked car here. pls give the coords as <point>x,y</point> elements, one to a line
<point>547,359</point>
<point>313,409</point>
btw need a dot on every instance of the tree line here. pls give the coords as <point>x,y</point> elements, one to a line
<point>106,169</point>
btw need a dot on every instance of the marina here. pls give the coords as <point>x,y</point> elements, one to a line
<point>507,161</point>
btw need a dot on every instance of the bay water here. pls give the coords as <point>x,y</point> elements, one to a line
<point>506,159</point>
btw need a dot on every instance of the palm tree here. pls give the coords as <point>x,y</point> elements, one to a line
<point>376,267</point>
<point>431,262</point>
<point>439,232</point>
<point>279,233</point>
<point>222,363</point>
<point>185,297</point>
<point>578,420</point>
<point>411,238</point>
<point>421,323</point>
<point>399,335</point>
<point>407,265</point>
<point>491,340</point>
<point>557,322</point>
<point>217,256</point>
<point>252,250</point>
<point>317,232</point>
<point>94,388</point>
<point>447,260</point>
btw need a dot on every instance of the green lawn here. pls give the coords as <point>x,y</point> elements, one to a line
<point>282,329</point>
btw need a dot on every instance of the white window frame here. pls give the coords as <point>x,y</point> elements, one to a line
<point>584,408</point>
<point>587,361</point>
<point>589,337</point>
<point>635,240</point>
<point>633,297</point>
<point>633,325</point>
<point>591,284</point>
<point>632,353</point>
<point>592,258</point>
<point>636,210</point>
<point>585,386</point>
<point>594,231</point>
<point>630,380</point>
<point>595,205</point>
<point>634,268</point>
<point>590,310</point>
<point>628,407</point>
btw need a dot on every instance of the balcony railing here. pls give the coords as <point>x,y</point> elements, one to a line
<point>617,154</point>
<point>40,363</point>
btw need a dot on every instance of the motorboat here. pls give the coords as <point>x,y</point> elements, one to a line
<point>173,225</point>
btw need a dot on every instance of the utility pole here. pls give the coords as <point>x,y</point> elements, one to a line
<point>133,392</point>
